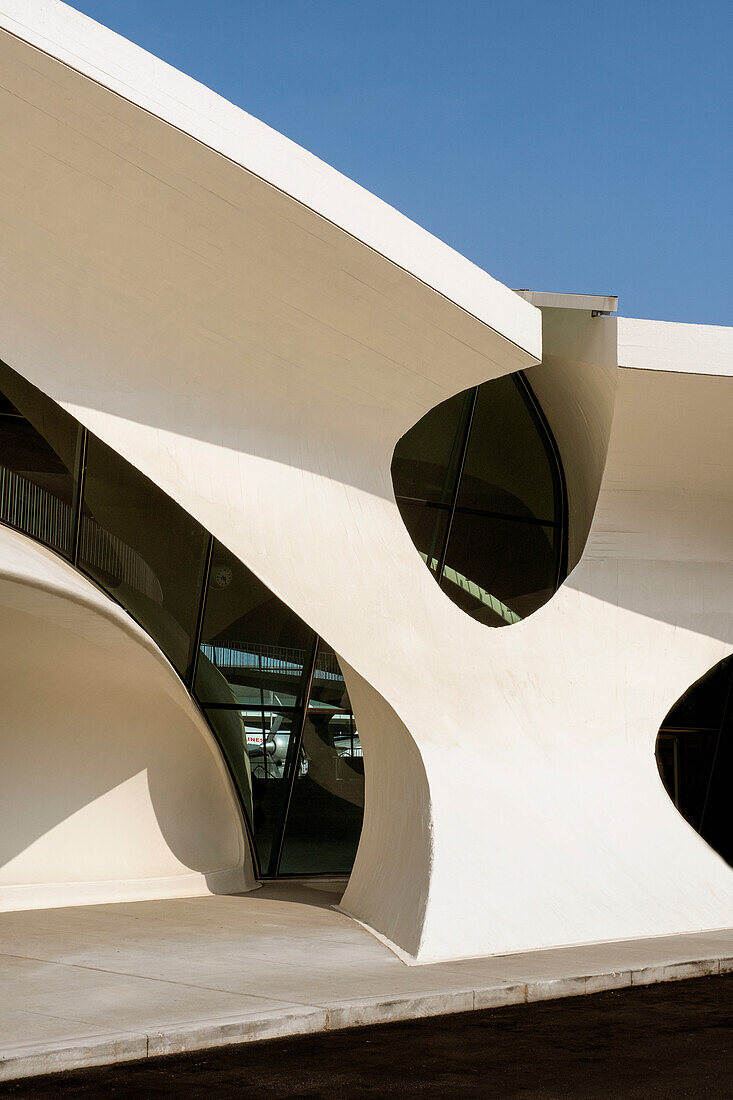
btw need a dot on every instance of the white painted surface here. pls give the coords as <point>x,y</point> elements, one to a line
<point>110,786</point>
<point>129,71</point>
<point>260,366</point>
<point>672,346</point>
<point>576,386</point>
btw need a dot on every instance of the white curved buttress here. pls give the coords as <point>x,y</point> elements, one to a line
<point>111,788</point>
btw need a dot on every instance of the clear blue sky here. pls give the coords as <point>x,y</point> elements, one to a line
<point>567,146</point>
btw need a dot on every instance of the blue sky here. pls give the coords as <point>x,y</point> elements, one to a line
<point>583,147</point>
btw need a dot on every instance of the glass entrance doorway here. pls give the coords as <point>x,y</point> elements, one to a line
<point>275,696</point>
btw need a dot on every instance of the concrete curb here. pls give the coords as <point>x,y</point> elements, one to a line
<point>99,1050</point>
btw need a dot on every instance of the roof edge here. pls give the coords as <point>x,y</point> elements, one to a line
<point>129,71</point>
<point>596,303</point>
<point>675,346</point>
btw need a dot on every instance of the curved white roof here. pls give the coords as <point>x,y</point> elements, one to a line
<point>130,72</point>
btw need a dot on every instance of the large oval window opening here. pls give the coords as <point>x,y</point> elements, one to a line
<point>695,757</point>
<point>480,488</point>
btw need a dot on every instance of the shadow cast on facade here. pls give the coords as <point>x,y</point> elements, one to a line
<point>108,771</point>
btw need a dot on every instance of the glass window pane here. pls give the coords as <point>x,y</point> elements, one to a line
<point>694,754</point>
<point>695,757</point>
<point>259,744</point>
<point>499,570</point>
<point>39,459</point>
<point>702,705</point>
<point>328,687</point>
<point>426,525</point>
<point>144,549</point>
<point>327,806</point>
<point>272,761</point>
<point>254,649</point>
<point>717,815</point>
<point>233,730</point>
<point>425,459</point>
<point>507,468</point>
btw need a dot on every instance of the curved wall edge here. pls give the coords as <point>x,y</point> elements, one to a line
<point>61,895</point>
<point>111,786</point>
<point>576,386</point>
<point>387,888</point>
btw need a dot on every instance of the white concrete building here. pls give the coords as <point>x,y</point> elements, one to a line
<point>324,552</point>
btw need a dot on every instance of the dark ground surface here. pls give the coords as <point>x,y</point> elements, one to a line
<point>670,1040</point>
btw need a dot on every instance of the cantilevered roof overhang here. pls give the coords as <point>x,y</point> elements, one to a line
<point>141,206</point>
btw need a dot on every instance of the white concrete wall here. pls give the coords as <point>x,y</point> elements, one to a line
<point>260,365</point>
<point>575,386</point>
<point>111,788</point>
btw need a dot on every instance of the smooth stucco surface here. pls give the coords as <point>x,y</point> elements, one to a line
<point>260,364</point>
<point>111,788</point>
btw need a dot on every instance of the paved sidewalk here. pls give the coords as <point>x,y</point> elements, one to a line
<point>98,984</point>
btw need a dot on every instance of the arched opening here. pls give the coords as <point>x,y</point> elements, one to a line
<point>271,689</point>
<point>695,757</point>
<point>480,488</point>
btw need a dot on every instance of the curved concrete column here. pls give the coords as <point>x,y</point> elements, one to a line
<point>111,788</point>
<point>576,386</point>
<point>259,363</point>
<point>389,885</point>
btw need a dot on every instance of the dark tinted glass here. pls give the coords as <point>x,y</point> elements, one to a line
<point>233,729</point>
<point>272,761</point>
<point>256,649</point>
<point>260,744</point>
<point>695,757</point>
<point>499,570</point>
<point>717,818</point>
<point>426,458</point>
<point>39,459</point>
<point>327,805</point>
<point>506,468</point>
<point>702,706</point>
<point>328,687</point>
<point>427,525</point>
<point>143,549</point>
<point>489,504</point>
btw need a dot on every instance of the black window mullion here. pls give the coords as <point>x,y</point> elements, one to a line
<point>508,516</point>
<point>473,510</point>
<point>559,482</point>
<point>293,757</point>
<point>724,723</point>
<point>79,502</point>
<point>289,712</point>
<point>456,487</point>
<point>194,662</point>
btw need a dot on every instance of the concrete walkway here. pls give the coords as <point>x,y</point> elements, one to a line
<point>97,984</point>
